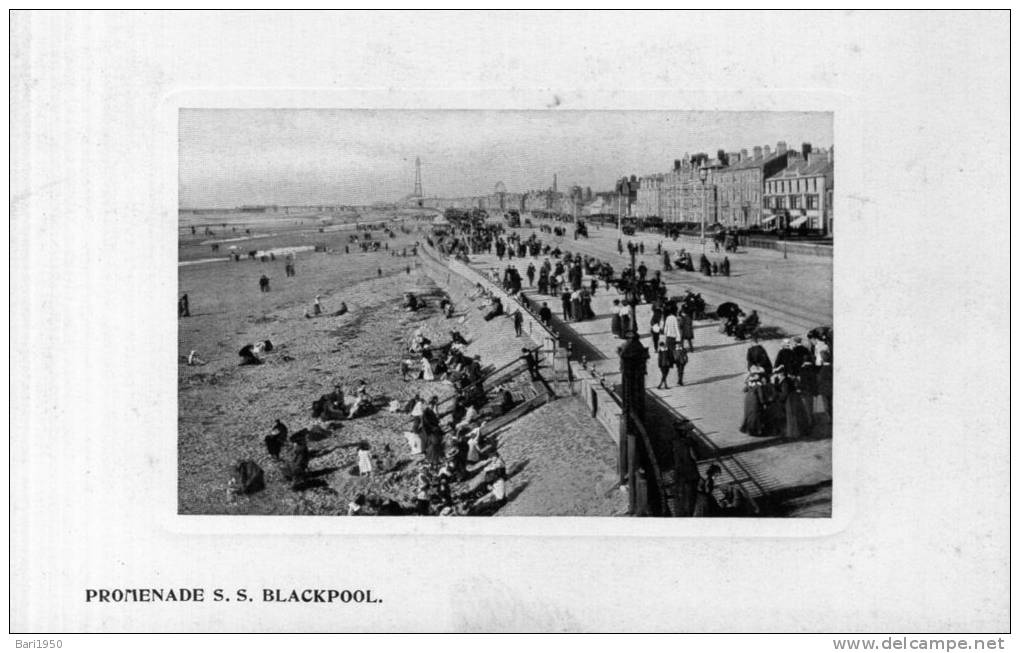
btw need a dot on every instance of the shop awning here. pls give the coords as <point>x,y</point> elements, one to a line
<point>799,221</point>
<point>768,219</point>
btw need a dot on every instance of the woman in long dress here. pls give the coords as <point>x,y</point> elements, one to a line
<point>754,404</point>
<point>798,424</point>
<point>614,320</point>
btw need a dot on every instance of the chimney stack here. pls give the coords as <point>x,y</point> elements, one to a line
<point>734,157</point>
<point>766,151</point>
<point>757,152</point>
<point>676,164</point>
<point>805,149</point>
<point>743,154</point>
<point>781,147</point>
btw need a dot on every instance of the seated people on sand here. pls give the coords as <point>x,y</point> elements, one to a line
<point>495,310</point>
<point>506,399</point>
<point>362,402</point>
<point>248,356</point>
<point>334,406</point>
<point>411,301</point>
<point>262,346</point>
<point>194,359</point>
<point>457,338</point>
<point>494,499</point>
<point>426,367</point>
<point>276,439</point>
<point>418,342</point>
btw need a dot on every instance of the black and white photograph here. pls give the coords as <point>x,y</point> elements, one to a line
<point>331,324</point>
<point>500,313</point>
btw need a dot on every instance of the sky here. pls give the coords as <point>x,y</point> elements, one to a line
<point>231,157</point>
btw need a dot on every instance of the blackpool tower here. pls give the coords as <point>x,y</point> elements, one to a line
<point>418,194</point>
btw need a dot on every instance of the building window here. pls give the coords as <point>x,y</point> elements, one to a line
<point>794,201</point>
<point>812,201</point>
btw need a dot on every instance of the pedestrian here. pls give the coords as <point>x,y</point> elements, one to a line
<point>756,355</point>
<point>687,331</point>
<point>705,504</point>
<point>545,313</point>
<point>798,424</point>
<point>183,308</point>
<point>655,329</point>
<point>264,283</point>
<point>754,402</point>
<point>685,469</point>
<point>518,323</point>
<point>565,301</point>
<point>801,354</point>
<point>665,361</point>
<point>532,362</point>
<point>671,329</point>
<point>317,307</point>
<point>824,383</point>
<point>625,325</point>
<point>784,357</point>
<point>680,358</point>
<point>819,347</point>
<point>807,387</point>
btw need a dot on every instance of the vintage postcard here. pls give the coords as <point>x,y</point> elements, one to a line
<point>503,313</point>
<point>509,321</point>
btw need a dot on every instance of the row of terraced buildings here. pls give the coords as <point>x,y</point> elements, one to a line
<point>765,188</point>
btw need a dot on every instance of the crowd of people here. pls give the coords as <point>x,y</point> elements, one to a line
<point>784,397</point>
<point>457,464</point>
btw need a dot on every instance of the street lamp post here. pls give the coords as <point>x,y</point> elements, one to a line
<point>703,174</point>
<point>619,209</point>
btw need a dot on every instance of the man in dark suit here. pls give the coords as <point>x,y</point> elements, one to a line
<point>545,313</point>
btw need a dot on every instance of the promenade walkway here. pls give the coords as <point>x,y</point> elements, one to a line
<point>797,475</point>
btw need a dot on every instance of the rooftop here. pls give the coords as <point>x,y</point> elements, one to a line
<point>799,167</point>
<point>751,162</point>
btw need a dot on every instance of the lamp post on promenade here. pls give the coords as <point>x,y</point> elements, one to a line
<point>619,206</point>
<point>703,174</point>
<point>633,361</point>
